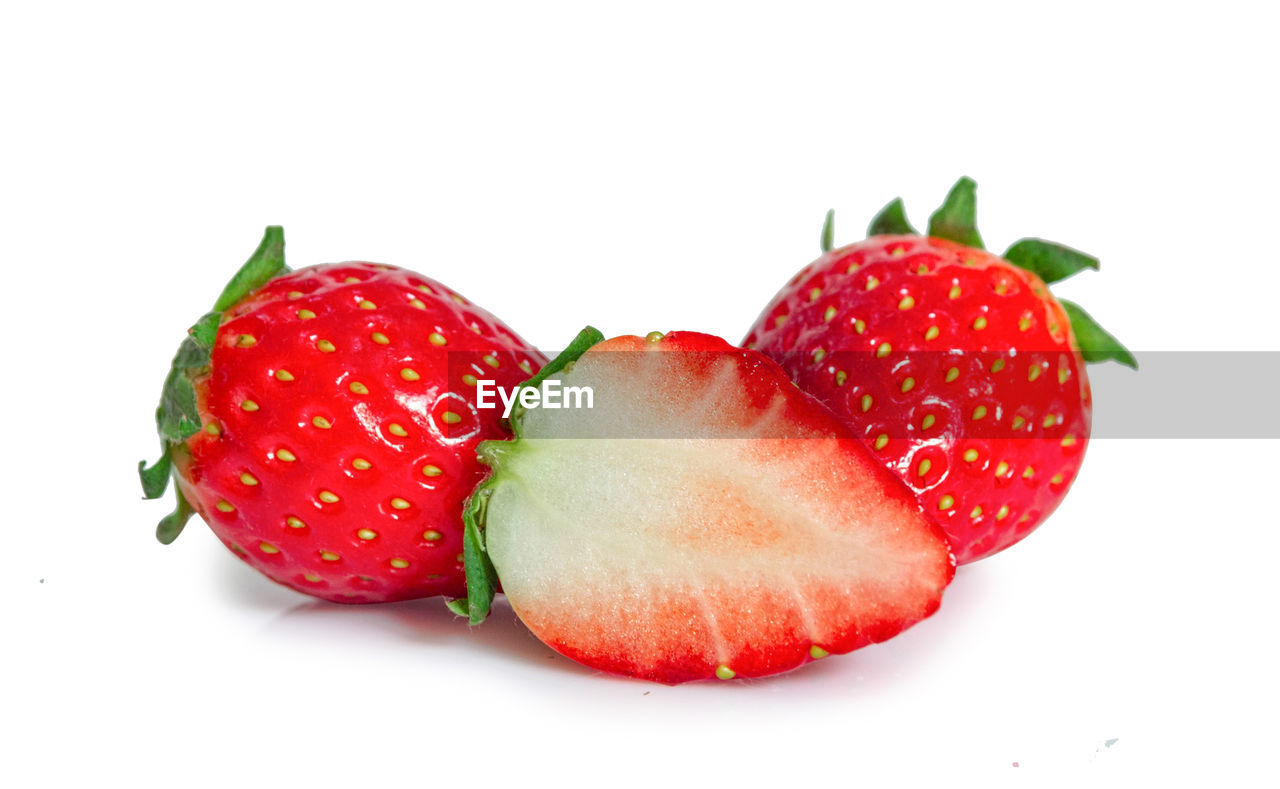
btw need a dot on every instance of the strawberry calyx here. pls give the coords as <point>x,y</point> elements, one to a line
<point>482,578</point>
<point>956,220</point>
<point>177,416</point>
<point>892,221</point>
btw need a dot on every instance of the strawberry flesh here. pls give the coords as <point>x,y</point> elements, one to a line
<point>704,518</point>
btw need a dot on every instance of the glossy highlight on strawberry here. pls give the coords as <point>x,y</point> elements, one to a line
<point>330,434</point>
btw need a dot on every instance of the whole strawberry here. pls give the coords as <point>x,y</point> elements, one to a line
<point>959,369</point>
<point>322,422</point>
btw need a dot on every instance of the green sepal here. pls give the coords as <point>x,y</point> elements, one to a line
<point>482,578</point>
<point>957,219</point>
<point>155,478</point>
<point>177,418</point>
<point>1047,260</point>
<point>178,415</point>
<point>586,338</point>
<point>827,239</point>
<point>892,221</point>
<point>169,527</point>
<point>458,605</point>
<point>204,332</point>
<point>1096,343</point>
<point>266,262</point>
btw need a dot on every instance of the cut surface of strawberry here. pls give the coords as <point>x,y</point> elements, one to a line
<point>704,518</point>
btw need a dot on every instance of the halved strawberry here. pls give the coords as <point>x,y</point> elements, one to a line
<point>703,518</point>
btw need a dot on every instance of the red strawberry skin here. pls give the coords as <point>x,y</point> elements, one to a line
<point>340,428</point>
<point>707,519</point>
<point>957,369</point>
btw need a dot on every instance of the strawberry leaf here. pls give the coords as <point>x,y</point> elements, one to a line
<point>1047,260</point>
<point>172,524</point>
<point>828,230</point>
<point>957,219</point>
<point>156,477</point>
<point>266,262</point>
<point>1096,343</point>
<point>482,578</point>
<point>178,418</point>
<point>204,332</point>
<point>178,415</point>
<point>892,221</point>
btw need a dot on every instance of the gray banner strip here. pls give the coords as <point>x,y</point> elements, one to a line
<point>1189,394</point>
<point>1173,394</point>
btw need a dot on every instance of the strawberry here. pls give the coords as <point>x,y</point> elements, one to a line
<point>703,518</point>
<point>321,423</point>
<point>959,369</point>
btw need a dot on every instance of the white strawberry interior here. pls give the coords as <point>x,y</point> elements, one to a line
<point>710,547</point>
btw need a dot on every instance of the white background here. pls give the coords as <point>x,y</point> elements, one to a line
<point>655,168</point>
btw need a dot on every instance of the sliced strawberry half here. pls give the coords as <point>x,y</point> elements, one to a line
<point>704,518</point>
